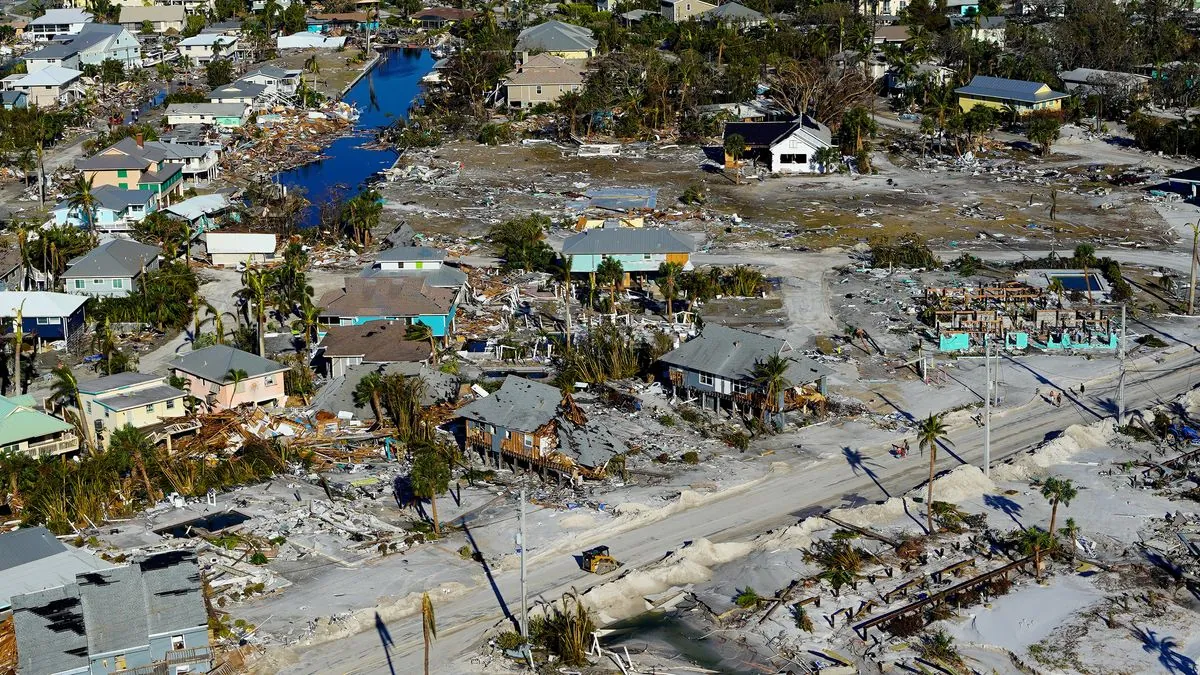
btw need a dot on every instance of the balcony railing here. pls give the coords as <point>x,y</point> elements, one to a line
<point>58,446</point>
<point>189,655</point>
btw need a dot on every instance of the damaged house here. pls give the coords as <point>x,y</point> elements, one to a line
<point>534,425</point>
<point>148,617</point>
<point>717,369</point>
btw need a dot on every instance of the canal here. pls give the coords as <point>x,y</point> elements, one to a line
<point>381,97</point>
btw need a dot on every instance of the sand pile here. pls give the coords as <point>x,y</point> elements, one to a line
<point>1074,439</point>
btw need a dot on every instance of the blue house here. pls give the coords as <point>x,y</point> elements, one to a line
<point>116,209</point>
<point>411,299</point>
<point>637,249</point>
<point>50,316</point>
<point>14,99</point>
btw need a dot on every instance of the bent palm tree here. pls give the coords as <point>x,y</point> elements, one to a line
<point>420,331</point>
<point>367,391</point>
<point>770,376</point>
<point>236,376</point>
<point>930,432</point>
<point>428,626</point>
<point>430,476</point>
<point>66,388</point>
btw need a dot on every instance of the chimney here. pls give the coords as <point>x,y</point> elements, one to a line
<point>140,141</point>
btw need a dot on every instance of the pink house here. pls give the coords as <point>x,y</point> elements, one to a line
<point>224,377</point>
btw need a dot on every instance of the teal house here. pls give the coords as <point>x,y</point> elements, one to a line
<point>639,250</point>
<point>411,299</point>
<point>26,431</point>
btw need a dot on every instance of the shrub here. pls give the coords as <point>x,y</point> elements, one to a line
<point>509,640</point>
<point>258,558</point>
<point>999,586</point>
<point>737,439</point>
<point>691,457</point>
<point>666,420</point>
<point>464,552</point>
<point>803,620</point>
<point>690,415</point>
<point>694,195</point>
<point>905,626</point>
<point>747,598</point>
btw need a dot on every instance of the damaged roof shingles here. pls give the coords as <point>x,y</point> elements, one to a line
<point>519,404</point>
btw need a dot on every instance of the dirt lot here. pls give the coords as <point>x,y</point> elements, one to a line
<point>949,206</point>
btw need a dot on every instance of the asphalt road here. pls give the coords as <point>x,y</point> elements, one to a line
<point>777,501</point>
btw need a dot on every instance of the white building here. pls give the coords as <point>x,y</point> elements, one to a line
<point>94,44</point>
<point>786,147</point>
<point>162,18</point>
<point>226,115</point>
<point>48,87</point>
<point>229,249</point>
<point>57,22</point>
<point>206,47</point>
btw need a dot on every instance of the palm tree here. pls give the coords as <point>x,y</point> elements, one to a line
<point>610,271</point>
<point>235,375</point>
<point>308,324</point>
<point>827,158</point>
<point>1056,287</point>
<point>668,281</point>
<point>104,341</point>
<point>735,147</point>
<point>420,331</point>
<point>1056,491</point>
<point>215,316</point>
<point>931,431</point>
<point>770,376</point>
<point>256,285</point>
<point>65,388</point>
<point>367,391</point>
<point>428,626</point>
<point>565,279</point>
<point>84,200</point>
<point>1034,541</point>
<point>430,476</point>
<point>18,343</point>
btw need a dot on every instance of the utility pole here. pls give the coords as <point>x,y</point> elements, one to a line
<point>1121,381</point>
<point>524,604</point>
<point>1192,286</point>
<point>987,407</point>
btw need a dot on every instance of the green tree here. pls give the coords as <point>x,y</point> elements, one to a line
<point>1042,131</point>
<point>735,147</point>
<point>430,476</point>
<point>421,332</point>
<point>668,283</point>
<point>610,271</point>
<point>219,72</point>
<point>83,200</point>
<point>368,391</point>
<point>308,324</point>
<point>1058,491</point>
<point>256,286</point>
<point>65,389</point>
<point>112,71</point>
<point>827,158</point>
<point>521,243</point>
<point>148,28</point>
<point>930,432</point>
<point>195,24</point>
<point>236,376</point>
<point>856,124</point>
<point>1035,541</point>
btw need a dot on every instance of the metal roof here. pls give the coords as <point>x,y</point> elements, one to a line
<point>50,76</point>
<point>54,17</point>
<point>627,240</point>
<point>110,383</point>
<point>20,422</point>
<point>117,258</point>
<point>555,36</point>
<point>1022,91</point>
<point>405,253</point>
<point>619,199</point>
<point>138,14</point>
<point>195,207</point>
<point>239,242</point>
<point>141,397</point>
<point>39,304</point>
<point>238,89</point>
<point>214,109</point>
<point>731,353</point>
<point>214,363</point>
<point>519,404</point>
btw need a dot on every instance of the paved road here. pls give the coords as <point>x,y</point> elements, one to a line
<point>778,500</point>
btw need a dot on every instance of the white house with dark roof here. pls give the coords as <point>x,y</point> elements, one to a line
<point>556,38</point>
<point>276,80</point>
<point>244,93</point>
<point>785,147</point>
<point>112,269</point>
<point>416,261</point>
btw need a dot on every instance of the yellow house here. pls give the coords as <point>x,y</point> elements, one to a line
<point>556,38</point>
<point>128,399</point>
<point>997,92</point>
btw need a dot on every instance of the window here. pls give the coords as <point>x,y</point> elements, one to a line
<point>118,283</point>
<point>646,256</point>
<point>123,186</point>
<point>106,411</point>
<point>122,173</point>
<point>97,282</point>
<point>150,408</point>
<point>171,404</point>
<point>43,320</point>
<point>420,265</point>
<point>177,642</point>
<point>528,441</point>
<point>507,435</point>
<point>539,89</point>
<point>89,408</point>
<point>706,379</point>
<point>739,387</point>
<point>80,283</point>
<point>270,379</point>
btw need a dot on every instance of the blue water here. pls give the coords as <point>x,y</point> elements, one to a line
<point>1076,282</point>
<point>396,82</point>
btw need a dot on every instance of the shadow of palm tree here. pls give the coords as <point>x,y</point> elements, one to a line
<point>859,462</point>
<point>487,571</point>
<point>385,637</point>
<point>1004,505</point>
<point>1165,648</point>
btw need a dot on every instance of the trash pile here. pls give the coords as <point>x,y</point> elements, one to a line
<point>287,138</point>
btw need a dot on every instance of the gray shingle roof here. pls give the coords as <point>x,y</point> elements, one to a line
<point>555,36</point>
<point>26,545</point>
<point>591,445</point>
<point>111,603</point>
<point>519,404</point>
<point>136,399</point>
<point>732,11</point>
<point>49,626</point>
<point>91,35</point>
<point>1023,91</point>
<point>412,253</point>
<point>108,383</point>
<point>627,240</point>
<point>732,353</point>
<point>174,599</point>
<point>214,363</point>
<point>338,395</point>
<point>116,258</point>
<point>238,89</point>
<point>442,277</point>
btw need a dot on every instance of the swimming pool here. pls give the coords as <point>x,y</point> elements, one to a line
<point>1077,282</point>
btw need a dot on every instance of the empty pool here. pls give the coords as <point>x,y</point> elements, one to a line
<point>214,522</point>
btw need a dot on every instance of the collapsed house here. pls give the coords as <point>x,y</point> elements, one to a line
<point>536,426</point>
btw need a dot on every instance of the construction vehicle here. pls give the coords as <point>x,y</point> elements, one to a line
<point>598,561</point>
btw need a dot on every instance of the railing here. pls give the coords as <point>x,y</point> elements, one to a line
<point>189,655</point>
<point>68,443</point>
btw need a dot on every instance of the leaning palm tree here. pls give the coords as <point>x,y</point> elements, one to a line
<point>256,286</point>
<point>770,376</point>
<point>428,626</point>
<point>668,283</point>
<point>367,391</point>
<point>83,199</point>
<point>308,323</point>
<point>419,332</point>
<point>104,341</point>
<point>237,376</point>
<point>65,389</point>
<point>930,432</point>
<point>1058,491</point>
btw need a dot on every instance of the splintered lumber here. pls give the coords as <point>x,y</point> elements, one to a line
<point>870,534</point>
